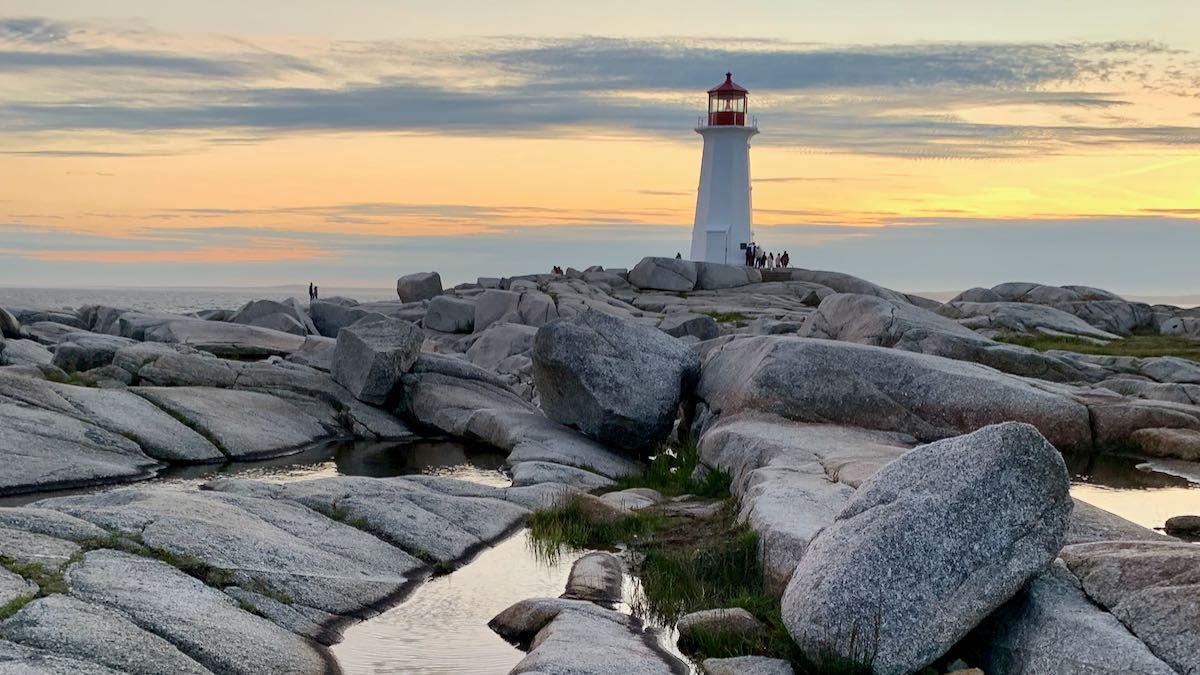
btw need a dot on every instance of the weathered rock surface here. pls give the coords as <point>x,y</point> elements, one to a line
<point>291,550</point>
<point>595,577</point>
<point>241,424</point>
<point>928,397</point>
<point>419,286</point>
<point>845,283</point>
<point>1151,587</point>
<point>731,621</point>
<point>46,450</point>
<point>1015,318</point>
<point>681,324</point>
<point>931,545</point>
<point>714,276</point>
<point>33,548</point>
<point>458,398</point>
<point>24,353</point>
<point>664,274</point>
<point>71,627</point>
<point>1051,628</point>
<point>371,357</point>
<point>747,665</point>
<point>870,320</point>
<point>533,473</point>
<point>617,381</point>
<point>1183,526</point>
<point>201,622</point>
<point>15,658</point>
<point>228,340</point>
<point>9,326</point>
<point>429,520</point>
<point>500,341</point>
<point>14,586</point>
<point>1172,443</point>
<point>496,306</point>
<point>450,315</point>
<point>572,637</point>
<point>316,352</point>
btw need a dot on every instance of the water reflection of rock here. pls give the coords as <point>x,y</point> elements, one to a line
<point>1119,472</point>
<point>382,459</point>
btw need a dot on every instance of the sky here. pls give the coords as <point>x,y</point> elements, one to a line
<point>925,145</point>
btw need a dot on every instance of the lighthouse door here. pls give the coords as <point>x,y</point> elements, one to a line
<point>716,246</point>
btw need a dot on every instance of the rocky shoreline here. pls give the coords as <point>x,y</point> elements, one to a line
<point>826,398</point>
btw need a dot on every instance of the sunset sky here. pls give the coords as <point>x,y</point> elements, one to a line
<point>924,144</point>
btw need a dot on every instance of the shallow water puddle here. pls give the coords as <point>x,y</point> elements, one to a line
<point>1147,492</point>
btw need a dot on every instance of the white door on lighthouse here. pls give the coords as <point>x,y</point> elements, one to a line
<point>716,246</point>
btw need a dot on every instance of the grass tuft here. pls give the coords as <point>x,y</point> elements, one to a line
<point>578,523</point>
<point>1141,346</point>
<point>671,473</point>
<point>727,317</point>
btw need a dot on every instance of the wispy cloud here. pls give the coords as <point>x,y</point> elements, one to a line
<point>896,100</point>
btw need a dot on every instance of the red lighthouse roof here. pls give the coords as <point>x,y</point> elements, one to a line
<point>729,87</point>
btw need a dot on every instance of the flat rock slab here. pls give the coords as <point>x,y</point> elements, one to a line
<point>160,435</point>
<point>1152,587</point>
<point>231,340</point>
<point>723,621</point>
<point>13,586</point>
<point>242,424</point>
<point>32,548</point>
<point>43,449</point>
<point>747,665</point>
<point>532,473</point>
<point>273,544</point>
<point>72,627</point>
<point>19,659</point>
<point>931,545</point>
<point>1051,628</point>
<point>433,524</point>
<point>203,623</point>
<point>928,397</point>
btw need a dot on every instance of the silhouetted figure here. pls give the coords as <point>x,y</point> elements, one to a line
<point>750,254</point>
<point>310,291</point>
<point>316,293</point>
<point>678,255</point>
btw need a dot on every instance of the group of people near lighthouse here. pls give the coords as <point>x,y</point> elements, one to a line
<point>757,257</point>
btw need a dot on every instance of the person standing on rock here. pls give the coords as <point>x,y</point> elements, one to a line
<point>316,293</point>
<point>770,260</point>
<point>310,291</point>
<point>749,254</point>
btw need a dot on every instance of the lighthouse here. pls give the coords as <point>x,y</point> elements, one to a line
<point>722,229</point>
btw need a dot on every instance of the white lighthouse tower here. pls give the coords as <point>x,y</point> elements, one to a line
<point>723,213</point>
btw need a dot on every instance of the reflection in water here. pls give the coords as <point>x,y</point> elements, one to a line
<point>442,627</point>
<point>1135,489</point>
<point>475,463</point>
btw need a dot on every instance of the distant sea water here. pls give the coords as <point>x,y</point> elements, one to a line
<point>174,300</point>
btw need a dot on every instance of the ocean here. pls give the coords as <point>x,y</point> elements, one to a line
<point>173,300</point>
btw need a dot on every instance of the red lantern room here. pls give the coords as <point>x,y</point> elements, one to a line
<point>727,104</point>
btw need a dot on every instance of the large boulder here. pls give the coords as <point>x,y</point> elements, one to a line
<point>618,381</point>
<point>927,397</point>
<point>495,306</point>
<point>419,286</point>
<point>664,274</point>
<point>499,342</point>
<point>370,357</point>
<point>448,314</point>
<point>229,340</point>
<point>714,276</point>
<point>287,316</point>
<point>1151,586</point>
<point>845,283</point>
<point>84,351</point>
<point>929,547</point>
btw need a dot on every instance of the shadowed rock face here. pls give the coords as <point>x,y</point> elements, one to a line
<point>1151,586</point>
<point>618,381</point>
<point>823,381</point>
<point>1051,628</point>
<point>931,545</point>
<point>664,274</point>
